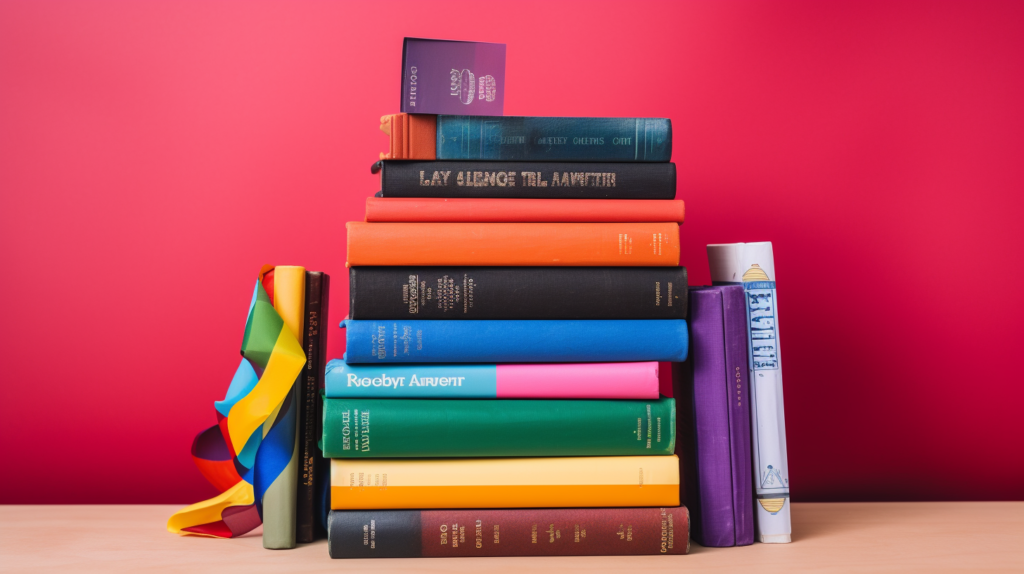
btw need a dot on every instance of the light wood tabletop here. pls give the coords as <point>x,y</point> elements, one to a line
<point>827,537</point>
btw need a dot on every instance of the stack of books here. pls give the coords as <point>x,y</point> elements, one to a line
<point>510,302</point>
<point>520,377</point>
<point>517,341</point>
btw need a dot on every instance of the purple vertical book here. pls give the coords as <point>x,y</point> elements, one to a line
<point>715,442</point>
<point>456,78</point>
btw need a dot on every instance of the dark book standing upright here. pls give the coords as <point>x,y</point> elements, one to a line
<point>713,437</point>
<point>314,339</point>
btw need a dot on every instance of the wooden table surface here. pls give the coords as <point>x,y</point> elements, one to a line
<point>827,537</point>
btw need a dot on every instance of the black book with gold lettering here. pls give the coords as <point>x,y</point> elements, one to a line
<point>314,343</point>
<point>422,292</point>
<point>535,180</point>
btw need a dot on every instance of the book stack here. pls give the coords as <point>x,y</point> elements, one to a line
<point>520,374</point>
<point>512,291</point>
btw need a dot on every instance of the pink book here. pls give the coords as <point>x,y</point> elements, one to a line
<point>512,381</point>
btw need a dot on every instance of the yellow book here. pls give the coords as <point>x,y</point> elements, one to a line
<point>280,499</point>
<point>505,482</point>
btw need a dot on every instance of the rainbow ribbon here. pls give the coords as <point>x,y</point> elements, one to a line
<point>253,440</point>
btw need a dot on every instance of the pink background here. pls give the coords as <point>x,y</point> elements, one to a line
<point>154,154</point>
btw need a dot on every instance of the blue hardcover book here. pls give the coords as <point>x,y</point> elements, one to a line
<point>553,139</point>
<point>517,341</point>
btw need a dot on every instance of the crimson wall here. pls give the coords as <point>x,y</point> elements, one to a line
<point>153,155</point>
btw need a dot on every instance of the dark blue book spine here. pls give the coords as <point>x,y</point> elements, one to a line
<point>554,139</point>
<point>515,341</point>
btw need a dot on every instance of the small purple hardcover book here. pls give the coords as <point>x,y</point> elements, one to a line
<point>721,487</point>
<point>454,78</point>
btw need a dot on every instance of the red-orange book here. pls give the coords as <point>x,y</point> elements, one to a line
<point>444,210</point>
<point>514,244</point>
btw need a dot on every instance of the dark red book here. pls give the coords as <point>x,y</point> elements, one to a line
<point>509,532</point>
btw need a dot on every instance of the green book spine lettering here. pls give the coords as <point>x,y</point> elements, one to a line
<point>380,428</point>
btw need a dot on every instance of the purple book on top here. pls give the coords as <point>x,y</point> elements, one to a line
<point>715,444</point>
<point>455,78</point>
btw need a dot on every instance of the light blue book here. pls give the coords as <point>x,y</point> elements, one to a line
<point>517,341</point>
<point>433,381</point>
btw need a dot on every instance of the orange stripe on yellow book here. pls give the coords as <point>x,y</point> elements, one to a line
<point>514,244</point>
<point>505,482</point>
<point>503,496</point>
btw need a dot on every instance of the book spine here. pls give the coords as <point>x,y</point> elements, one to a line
<point>515,341</point>
<point>517,292</point>
<point>714,509</point>
<point>410,136</point>
<point>753,264</point>
<point>681,375</point>
<point>522,180</point>
<point>548,482</point>
<point>475,210</point>
<point>518,381</point>
<point>514,244</point>
<point>734,323</point>
<point>450,428</point>
<point>579,381</point>
<point>527,532</point>
<point>411,381</point>
<point>521,138</point>
<point>321,479</point>
<point>279,500</point>
<point>308,408</point>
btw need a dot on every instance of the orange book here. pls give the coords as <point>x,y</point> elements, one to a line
<point>466,209</point>
<point>514,244</point>
<point>551,482</point>
<point>413,136</point>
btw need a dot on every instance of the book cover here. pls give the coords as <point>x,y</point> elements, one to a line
<point>515,341</point>
<point>721,493</point>
<point>521,138</point>
<point>753,266</point>
<point>279,500</point>
<point>514,244</point>
<point>451,77</point>
<point>525,180</point>
<point>515,381</point>
<point>455,428</point>
<point>469,292</point>
<point>508,532</point>
<point>549,482</point>
<point>444,210</point>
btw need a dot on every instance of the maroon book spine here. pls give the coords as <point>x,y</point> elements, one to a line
<point>510,532</point>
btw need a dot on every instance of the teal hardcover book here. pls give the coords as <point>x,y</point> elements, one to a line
<point>553,139</point>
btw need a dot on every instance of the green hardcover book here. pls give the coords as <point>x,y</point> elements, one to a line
<point>419,428</point>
